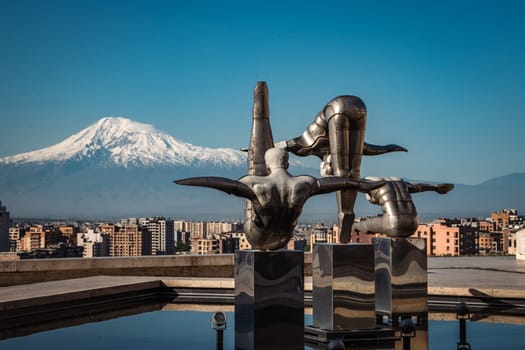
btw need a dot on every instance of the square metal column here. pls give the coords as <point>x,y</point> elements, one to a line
<point>409,276</point>
<point>269,299</point>
<point>343,287</point>
<point>401,276</point>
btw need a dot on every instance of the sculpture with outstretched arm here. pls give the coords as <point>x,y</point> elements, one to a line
<point>277,199</point>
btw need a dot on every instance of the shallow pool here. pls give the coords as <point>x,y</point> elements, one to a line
<point>192,330</point>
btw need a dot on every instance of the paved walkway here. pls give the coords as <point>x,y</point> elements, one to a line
<point>35,294</point>
<point>502,277</point>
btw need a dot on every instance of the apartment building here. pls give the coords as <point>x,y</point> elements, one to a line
<point>33,239</point>
<point>503,218</point>
<point>162,235</point>
<point>322,234</point>
<point>15,233</point>
<point>93,243</point>
<point>485,245</point>
<point>450,238</point>
<point>512,245</point>
<point>126,241</point>
<point>243,241</point>
<point>205,246</point>
<point>197,229</point>
<point>5,222</point>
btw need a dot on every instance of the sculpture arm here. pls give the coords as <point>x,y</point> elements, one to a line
<point>336,183</point>
<point>229,186</point>
<point>374,150</point>
<point>422,187</point>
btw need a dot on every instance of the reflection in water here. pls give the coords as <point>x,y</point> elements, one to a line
<point>187,326</point>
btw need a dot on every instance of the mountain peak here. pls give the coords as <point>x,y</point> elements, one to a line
<point>119,141</point>
<point>123,124</point>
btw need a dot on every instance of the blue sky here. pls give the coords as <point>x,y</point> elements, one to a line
<point>443,78</point>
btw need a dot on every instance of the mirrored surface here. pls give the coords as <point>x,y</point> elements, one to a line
<point>269,299</point>
<point>343,286</point>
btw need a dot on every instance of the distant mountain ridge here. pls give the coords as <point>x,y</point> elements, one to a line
<point>119,168</point>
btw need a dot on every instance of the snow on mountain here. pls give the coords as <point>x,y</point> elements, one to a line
<point>124,142</point>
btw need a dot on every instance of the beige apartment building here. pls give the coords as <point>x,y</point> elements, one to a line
<point>205,246</point>
<point>486,226</point>
<point>503,218</point>
<point>197,230</point>
<point>125,241</point>
<point>243,241</point>
<point>107,228</point>
<point>34,238</point>
<point>512,245</point>
<point>217,227</point>
<point>323,234</point>
<point>14,237</point>
<point>485,243</point>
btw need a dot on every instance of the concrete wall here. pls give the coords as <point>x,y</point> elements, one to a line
<point>41,270</point>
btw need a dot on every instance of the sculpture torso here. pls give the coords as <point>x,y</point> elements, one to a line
<point>394,198</point>
<point>280,199</point>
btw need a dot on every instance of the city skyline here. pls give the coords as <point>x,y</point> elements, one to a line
<point>442,79</point>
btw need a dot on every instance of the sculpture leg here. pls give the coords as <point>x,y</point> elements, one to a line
<point>371,225</point>
<point>346,149</point>
<point>260,139</point>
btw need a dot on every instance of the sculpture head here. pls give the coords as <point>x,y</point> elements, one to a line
<point>276,158</point>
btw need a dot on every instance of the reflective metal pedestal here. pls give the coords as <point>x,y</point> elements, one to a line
<point>401,276</point>
<point>343,287</point>
<point>269,300</point>
<point>401,285</point>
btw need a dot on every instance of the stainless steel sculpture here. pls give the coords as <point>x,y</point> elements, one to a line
<point>399,218</point>
<point>345,276</point>
<point>337,136</point>
<point>277,199</point>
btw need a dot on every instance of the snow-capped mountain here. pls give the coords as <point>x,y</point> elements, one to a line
<point>116,141</point>
<point>118,168</point>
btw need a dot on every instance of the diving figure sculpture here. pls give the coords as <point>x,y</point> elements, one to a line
<point>337,136</point>
<point>399,218</point>
<point>277,199</point>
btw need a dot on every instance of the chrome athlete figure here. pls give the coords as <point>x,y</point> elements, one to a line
<point>337,136</point>
<point>399,218</point>
<point>277,199</point>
